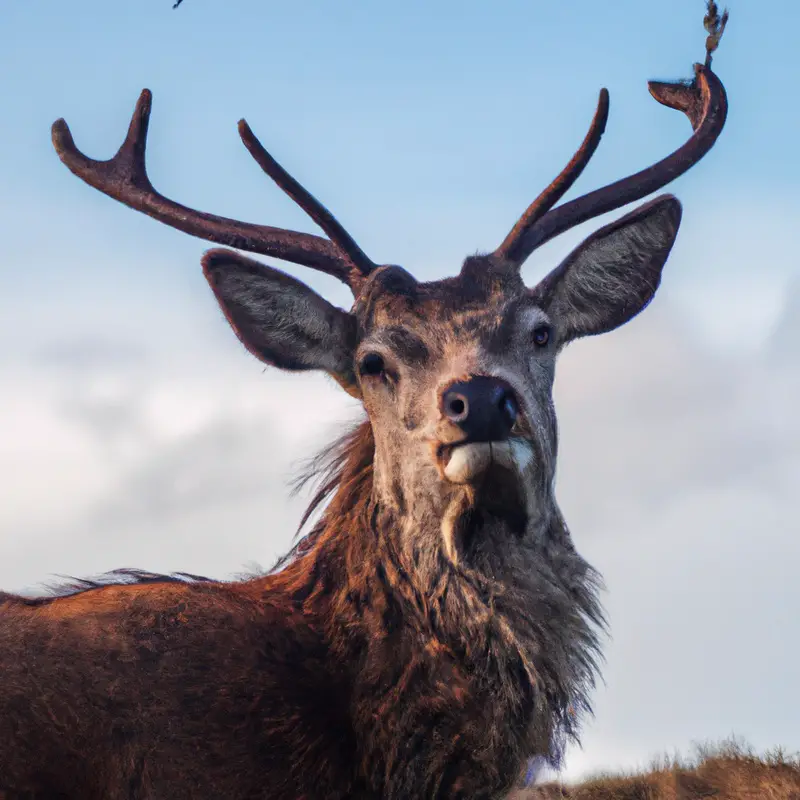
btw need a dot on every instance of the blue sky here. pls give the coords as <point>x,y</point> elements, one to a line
<point>138,431</point>
<point>426,129</point>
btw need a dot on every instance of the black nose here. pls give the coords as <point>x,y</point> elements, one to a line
<point>484,408</point>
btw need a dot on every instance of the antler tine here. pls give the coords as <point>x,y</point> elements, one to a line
<point>558,188</point>
<point>704,101</point>
<point>336,232</point>
<point>124,178</point>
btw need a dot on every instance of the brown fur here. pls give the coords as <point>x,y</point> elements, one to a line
<point>337,676</point>
<point>423,640</point>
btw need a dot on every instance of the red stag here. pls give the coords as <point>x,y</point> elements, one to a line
<point>436,627</point>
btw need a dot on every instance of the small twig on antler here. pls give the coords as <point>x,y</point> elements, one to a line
<point>177,3</point>
<point>715,25</point>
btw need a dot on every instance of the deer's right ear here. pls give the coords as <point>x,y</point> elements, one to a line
<point>280,320</point>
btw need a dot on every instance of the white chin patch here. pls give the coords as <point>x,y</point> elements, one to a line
<point>468,461</point>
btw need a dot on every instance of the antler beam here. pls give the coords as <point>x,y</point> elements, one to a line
<point>124,178</point>
<point>705,104</point>
<point>306,201</point>
<point>561,185</point>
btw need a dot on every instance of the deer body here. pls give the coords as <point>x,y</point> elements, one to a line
<point>436,626</point>
<point>337,677</point>
<point>152,691</point>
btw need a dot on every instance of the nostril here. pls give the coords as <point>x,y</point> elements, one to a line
<point>456,406</point>
<point>509,408</point>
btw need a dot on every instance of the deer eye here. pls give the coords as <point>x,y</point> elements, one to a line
<point>541,335</point>
<point>372,365</point>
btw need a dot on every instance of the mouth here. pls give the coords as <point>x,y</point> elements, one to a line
<point>467,462</point>
<point>496,500</point>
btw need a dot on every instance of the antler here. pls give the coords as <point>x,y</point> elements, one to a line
<point>561,185</point>
<point>124,177</point>
<point>705,103</point>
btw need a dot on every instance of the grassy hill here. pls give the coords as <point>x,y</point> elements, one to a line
<point>730,770</point>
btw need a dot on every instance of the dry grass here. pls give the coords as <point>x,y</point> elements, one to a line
<point>731,770</point>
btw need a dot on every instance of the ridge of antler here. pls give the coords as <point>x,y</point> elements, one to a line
<point>561,185</point>
<point>124,178</point>
<point>704,102</point>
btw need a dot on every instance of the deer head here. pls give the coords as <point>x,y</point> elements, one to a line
<point>456,375</point>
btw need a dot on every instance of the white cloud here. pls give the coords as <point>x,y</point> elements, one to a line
<point>150,465</point>
<point>679,475</point>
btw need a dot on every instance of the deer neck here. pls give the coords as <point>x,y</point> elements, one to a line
<point>514,617</point>
<point>527,616</point>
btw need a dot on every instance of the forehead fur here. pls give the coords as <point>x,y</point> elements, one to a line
<point>392,294</point>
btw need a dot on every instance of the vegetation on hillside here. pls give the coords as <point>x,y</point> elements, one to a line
<point>728,771</point>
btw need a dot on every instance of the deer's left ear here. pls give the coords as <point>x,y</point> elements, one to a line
<point>610,277</point>
<point>280,320</point>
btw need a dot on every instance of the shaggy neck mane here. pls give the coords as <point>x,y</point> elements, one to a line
<point>343,546</point>
<point>344,474</point>
<point>530,640</point>
<point>537,634</point>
